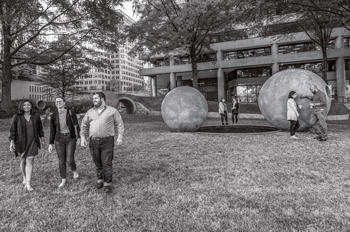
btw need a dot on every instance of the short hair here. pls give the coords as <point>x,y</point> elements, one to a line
<point>221,99</point>
<point>20,107</point>
<point>100,94</point>
<point>291,93</point>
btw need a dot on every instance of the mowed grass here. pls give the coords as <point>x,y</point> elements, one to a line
<point>166,181</point>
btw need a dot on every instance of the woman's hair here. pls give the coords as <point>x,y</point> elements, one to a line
<point>60,98</point>
<point>221,99</point>
<point>20,107</point>
<point>291,93</point>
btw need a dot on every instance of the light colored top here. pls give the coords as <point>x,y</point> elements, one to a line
<point>222,107</point>
<point>62,118</point>
<point>292,110</point>
<point>106,123</point>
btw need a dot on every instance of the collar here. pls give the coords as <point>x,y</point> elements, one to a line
<point>102,107</point>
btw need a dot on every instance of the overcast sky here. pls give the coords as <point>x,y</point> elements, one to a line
<point>128,10</point>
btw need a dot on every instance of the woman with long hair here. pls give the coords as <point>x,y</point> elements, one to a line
<point>26,137</point>
<point>234,109</point>
<point>64,133</point>
<point>292,114</point>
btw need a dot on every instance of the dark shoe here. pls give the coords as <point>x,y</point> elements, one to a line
<point>318,137</point>
<point>223,124</point>
<point>322,139</point>
<point>226,123</point>
<point>108,189</point>
<point>99,185</point>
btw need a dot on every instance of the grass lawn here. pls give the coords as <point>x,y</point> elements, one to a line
<point>166,181</point>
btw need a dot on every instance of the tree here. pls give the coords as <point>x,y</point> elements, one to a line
<point>31,29</point>
<point>317,24</point>
<point>171,27</point>
<point>62,75</point>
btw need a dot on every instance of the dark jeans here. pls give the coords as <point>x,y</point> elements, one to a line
<point>65,148</point>
<point>224,116</point>
<point>294,125</point>
<point>102,154</point>
<point>234,116</point>
<point>318,122</point>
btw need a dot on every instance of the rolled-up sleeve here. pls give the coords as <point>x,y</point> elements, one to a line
<point>84,126</point>
<point>119,124</point>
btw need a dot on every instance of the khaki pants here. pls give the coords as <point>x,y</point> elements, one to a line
<point>318,122</point>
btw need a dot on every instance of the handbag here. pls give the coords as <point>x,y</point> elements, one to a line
<point>75,126</point>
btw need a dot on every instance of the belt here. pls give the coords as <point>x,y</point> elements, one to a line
<point>68,133</point>
<point>101,138</point>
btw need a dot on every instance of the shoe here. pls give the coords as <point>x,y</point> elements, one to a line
<point>223,124</point>
<point>99,185</point>
<point>63,183</point>
<point>75,175</point>
<point>294,137</point>
<point>28,188</point>
<point>108,189</point>
<point>318,136</point>
<point>226,123</point>
<point>322,139</point>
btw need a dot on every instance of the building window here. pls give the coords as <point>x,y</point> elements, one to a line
<point>346,42</point>
<point>249,73</point>
<point>315,67</point>
<point>248,93</point>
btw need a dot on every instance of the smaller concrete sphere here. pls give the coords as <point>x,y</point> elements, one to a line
<point>184,109</point>
<point>274,95</point>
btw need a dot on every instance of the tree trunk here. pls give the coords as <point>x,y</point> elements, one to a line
<point>6,69</point>
<point>324,64</point>
<point>194,74</point>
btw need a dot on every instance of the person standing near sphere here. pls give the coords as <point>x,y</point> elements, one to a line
<point>65,137</point>
<point>223,111</point>
<point>292,114</point>
<point>26,137</point>
<point>234,110</point>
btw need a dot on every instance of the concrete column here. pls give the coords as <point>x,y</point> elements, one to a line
<point>341,79</point>
<point>339,43</point>
<point>221,84</point>
<point>275,68</point>
<point>154,86</point>
<point>171,61</point>
<point>172,80</point>
<point>179,81</point>
<point>219,55</point>
<point>274,49</point>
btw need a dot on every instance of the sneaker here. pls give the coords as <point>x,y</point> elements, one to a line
<point>75,175</point>
<point>318,137</point>
<point>108,189</point>
<point>99,185</point>
<point>294,137</point>
<point>322,139</point>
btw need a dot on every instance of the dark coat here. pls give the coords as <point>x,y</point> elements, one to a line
<point>235,111</point>
<point>55,125</point>
<point>18,131</point>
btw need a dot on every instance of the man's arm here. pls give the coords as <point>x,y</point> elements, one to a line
<point>119,125</point>
<point>306,96</point>
<point>84,130</point>
<point>323,100</point>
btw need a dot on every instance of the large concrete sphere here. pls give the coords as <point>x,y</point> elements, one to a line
<point>184,109</point>
<point>274,95</point>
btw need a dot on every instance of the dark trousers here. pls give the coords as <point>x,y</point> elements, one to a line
<point>294,125</point>
<point>65,148</point>
<point>318,122</point>
<point>234,117</point>
<point>223,116</point>
<point>102,154</point>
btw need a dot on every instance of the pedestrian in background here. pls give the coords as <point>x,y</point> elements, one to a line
<point>292,114</point>
<point>26,137</point>
<point>319,112</point>
<point>234,110</point>
<point>223,111</point>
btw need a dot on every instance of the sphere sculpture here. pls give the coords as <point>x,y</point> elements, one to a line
<point>184,109</point>
<point>274,95</point>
